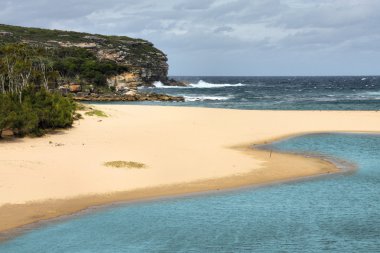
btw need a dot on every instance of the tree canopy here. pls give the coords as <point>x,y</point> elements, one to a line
<point>26,104</point>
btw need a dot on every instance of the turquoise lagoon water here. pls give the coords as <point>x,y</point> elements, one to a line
<point>339,213</point>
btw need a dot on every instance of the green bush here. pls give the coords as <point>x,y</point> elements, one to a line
<point>26,106</point>
<point>39,110</point>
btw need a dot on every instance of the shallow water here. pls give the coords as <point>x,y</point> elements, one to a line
<point>340,213</point>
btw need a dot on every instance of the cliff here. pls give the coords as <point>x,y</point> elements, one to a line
<point>145,63</point>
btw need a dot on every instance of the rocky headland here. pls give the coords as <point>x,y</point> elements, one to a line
<point>144,64</point>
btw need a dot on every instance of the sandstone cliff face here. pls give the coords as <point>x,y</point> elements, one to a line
<point>145,63</point>
<point>125,81</point>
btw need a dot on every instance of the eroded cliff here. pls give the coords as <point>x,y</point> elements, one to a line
<point>145,63</point>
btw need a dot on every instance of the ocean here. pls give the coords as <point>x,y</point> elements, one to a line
<point>277,93</point>
<point>338,213</point>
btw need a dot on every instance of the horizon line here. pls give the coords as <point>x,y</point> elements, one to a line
<point>376,75</point>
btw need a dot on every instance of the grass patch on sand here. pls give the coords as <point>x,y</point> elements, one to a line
<point>125,164</point>
<point>80,107</point>
<point>95,112</point>
<point>89,110</point>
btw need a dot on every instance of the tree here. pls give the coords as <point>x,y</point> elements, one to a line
<point>5,110</point>
<point>26,105</point>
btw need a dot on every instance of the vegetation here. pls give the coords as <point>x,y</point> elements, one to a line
<point>29,79</point>
<point>94,112</point>
<point>51,67</point>
<point>26,105</point>
<point>137,48</point>
<point>81,107</point>
<point>37,67</point>
<point>82,66</point>
<point>125,164</point>
<point>44,35</point>
<point>38,110</point>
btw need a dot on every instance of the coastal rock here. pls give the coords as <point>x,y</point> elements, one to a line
<point>131,93</point>
<point>94,38</point>
<point>131,96</point>
<point>86,45</point>
<point>75,87</point>
<point>173,82</point>
<point>146,67</point>
<point>4,33</point>
<point>124,81</point>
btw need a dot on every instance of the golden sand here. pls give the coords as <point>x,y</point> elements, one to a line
<point>184,149</point>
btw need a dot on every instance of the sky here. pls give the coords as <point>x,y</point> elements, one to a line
<point>227,37</point>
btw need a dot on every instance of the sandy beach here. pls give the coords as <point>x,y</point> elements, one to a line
<point>184,149</point>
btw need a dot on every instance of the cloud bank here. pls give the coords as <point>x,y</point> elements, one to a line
<point>228,37</point>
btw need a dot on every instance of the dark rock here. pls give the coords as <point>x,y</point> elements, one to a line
<point>173,82</point>
<point>81,94</point>
<point>130,97</point>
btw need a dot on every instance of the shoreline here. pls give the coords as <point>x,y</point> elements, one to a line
<point>238,166</point>
<point>83,205</point>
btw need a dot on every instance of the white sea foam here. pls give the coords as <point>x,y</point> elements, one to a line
<point>200,84</point>
<point>205,98</point>
<point>363,96</point>
<point>370,95</point>
<point>203,84</point>
<point>158,84</point>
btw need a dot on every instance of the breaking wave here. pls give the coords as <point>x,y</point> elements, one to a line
<point>205,98</point>
<point>161,85</point>
<point>203,84</point>
<point>371,95</point>
<point>200,84</point>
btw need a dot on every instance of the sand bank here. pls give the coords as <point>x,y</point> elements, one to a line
<point>185,150</point>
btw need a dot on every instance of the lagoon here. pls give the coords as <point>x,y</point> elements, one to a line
<point>338,213</point>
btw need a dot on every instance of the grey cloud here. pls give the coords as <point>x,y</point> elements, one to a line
<point>211,28</point>
<point>194,5</point>
<point>222,29</point>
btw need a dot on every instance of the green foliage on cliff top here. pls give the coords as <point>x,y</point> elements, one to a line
<point>56,65</point>
<point>53,37</point>
<point>43,35</point>
<point>80,65</point>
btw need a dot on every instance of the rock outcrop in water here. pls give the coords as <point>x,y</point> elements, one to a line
<point>129,96</point>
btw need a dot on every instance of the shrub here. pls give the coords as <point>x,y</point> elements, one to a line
<point>26,106</point>
<point>39,110</point>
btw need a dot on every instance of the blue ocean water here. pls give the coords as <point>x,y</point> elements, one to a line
<point>278,93</point>
<point>339,213</point>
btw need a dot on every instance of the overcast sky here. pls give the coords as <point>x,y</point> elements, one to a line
<point>227,37</point>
